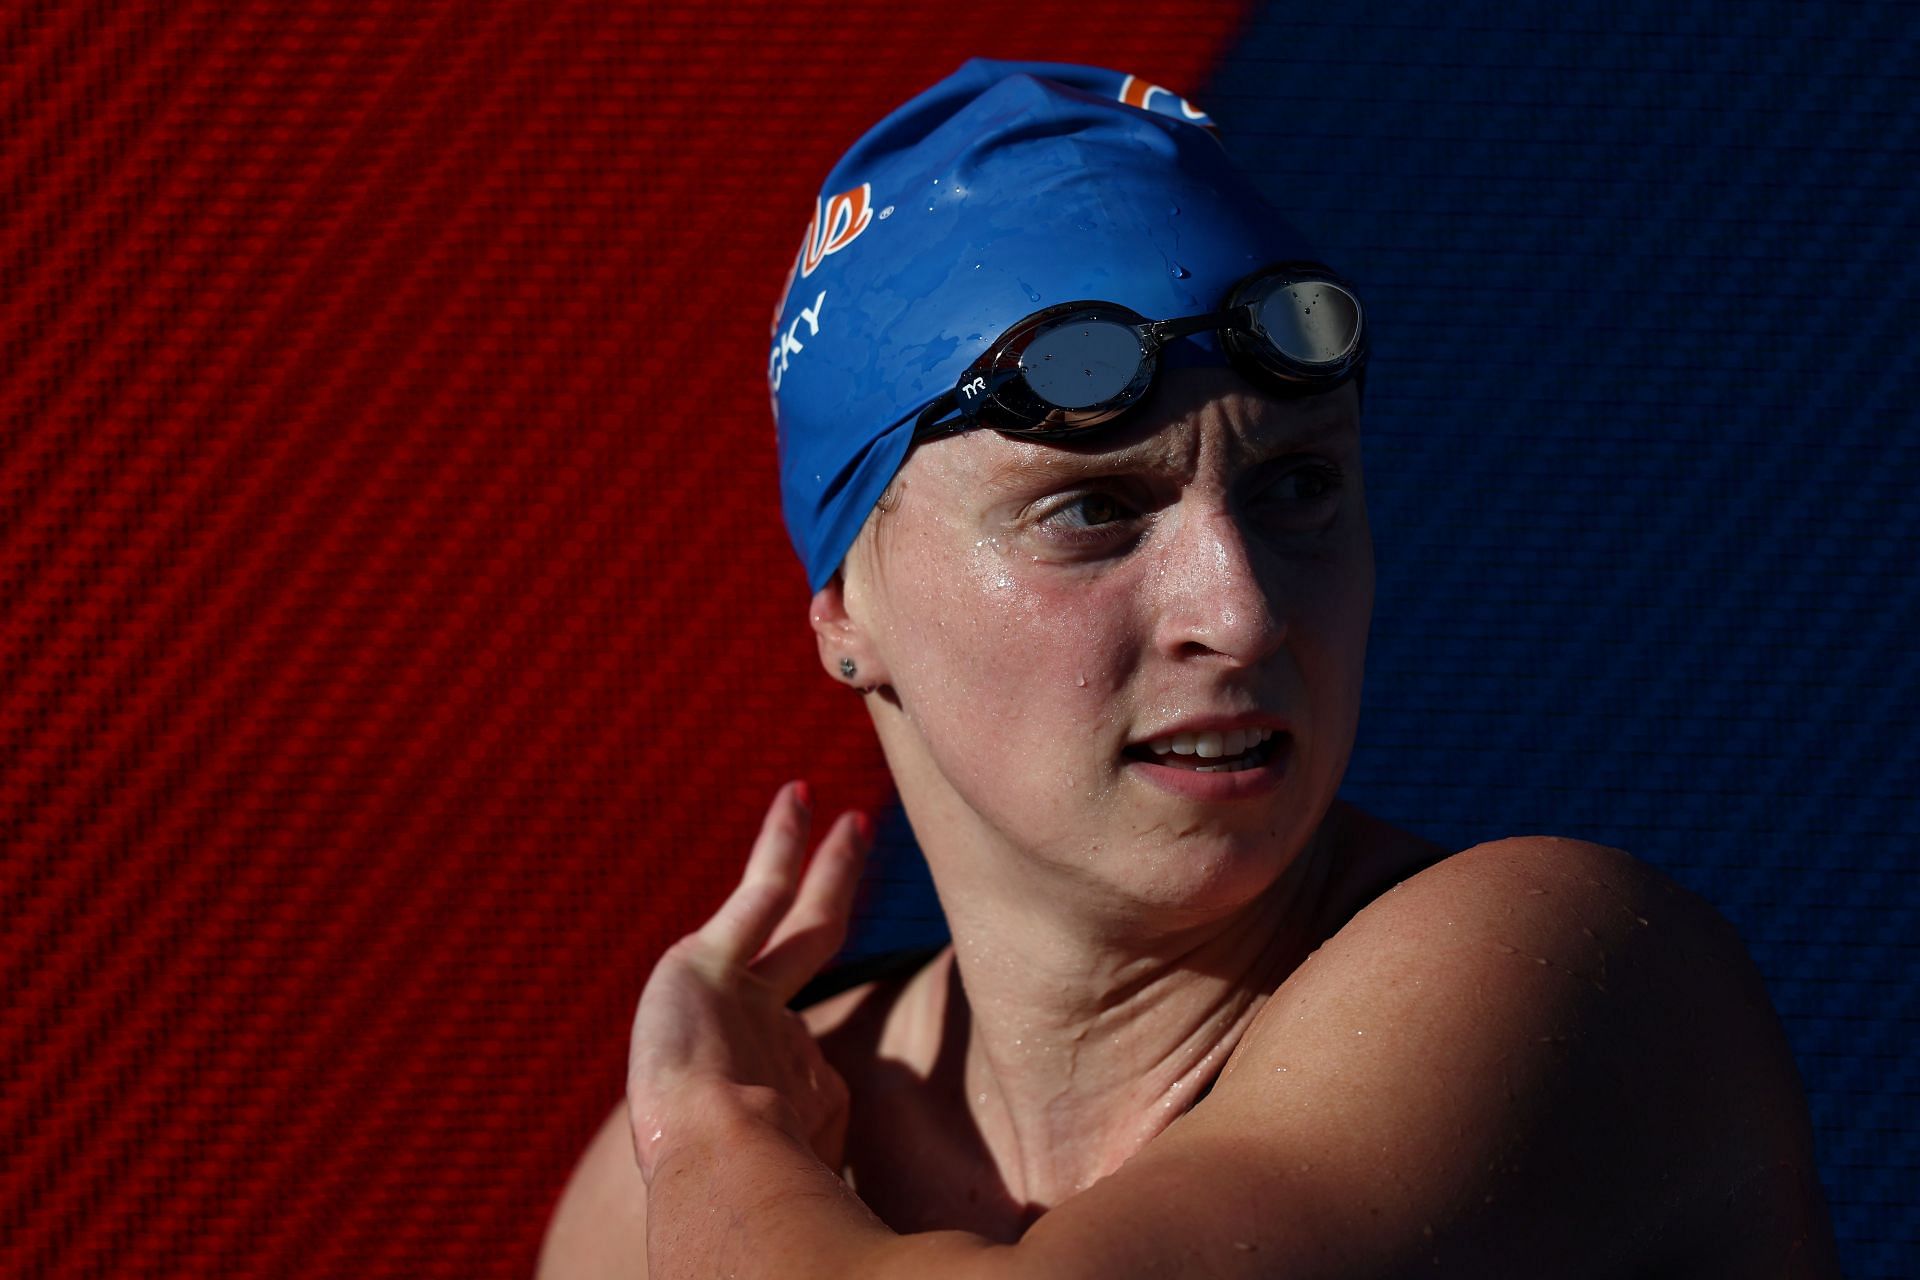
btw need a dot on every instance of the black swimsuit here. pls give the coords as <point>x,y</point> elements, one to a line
<point>884,967</point>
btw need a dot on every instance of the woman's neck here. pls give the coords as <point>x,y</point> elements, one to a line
<point>1084,1039</point>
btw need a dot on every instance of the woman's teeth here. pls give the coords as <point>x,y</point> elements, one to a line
<point>1235,749</point>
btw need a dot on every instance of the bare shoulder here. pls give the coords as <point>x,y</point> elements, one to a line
<point>1570,929</point>
<point>1537,1056</point>
<point>1584,1038</point>
<point>1621,939</point>
<point>599,1226</point>
<point>1540,882</point>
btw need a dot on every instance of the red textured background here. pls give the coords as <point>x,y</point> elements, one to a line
<point>400,640</point>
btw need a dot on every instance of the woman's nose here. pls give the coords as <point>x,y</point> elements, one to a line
<point>1217,593</point>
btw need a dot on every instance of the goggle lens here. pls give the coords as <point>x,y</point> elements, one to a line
<point>1080,365</point>
<point>1315,323</point>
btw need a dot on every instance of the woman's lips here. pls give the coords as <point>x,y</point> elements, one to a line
<point>1210,751</point>
<point>1251,772</point>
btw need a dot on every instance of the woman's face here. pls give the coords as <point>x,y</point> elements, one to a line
<point>1052,619</point>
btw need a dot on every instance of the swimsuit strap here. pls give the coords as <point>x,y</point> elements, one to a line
<point>878,968</point>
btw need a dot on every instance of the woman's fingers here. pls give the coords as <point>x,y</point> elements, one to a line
<point>816,926</point>
<point>766,890</point>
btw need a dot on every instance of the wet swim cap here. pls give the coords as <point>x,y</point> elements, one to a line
<point>1005,188</point>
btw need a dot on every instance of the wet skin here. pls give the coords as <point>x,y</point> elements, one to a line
<point>1536,1055</point>
<point>1029,617</point>
<point>1037,613</point>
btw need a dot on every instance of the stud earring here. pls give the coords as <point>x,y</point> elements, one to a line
<point>847,668</point>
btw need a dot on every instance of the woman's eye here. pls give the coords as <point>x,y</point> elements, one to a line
<point>1083,512</point>
<point>1310,483</point>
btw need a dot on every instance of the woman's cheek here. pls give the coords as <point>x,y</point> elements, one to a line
<point>1026,675</point>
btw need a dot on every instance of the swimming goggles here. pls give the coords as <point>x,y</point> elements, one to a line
<point>1294,329</point>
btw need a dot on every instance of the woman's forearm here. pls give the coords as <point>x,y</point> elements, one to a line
<point>737,1194</point>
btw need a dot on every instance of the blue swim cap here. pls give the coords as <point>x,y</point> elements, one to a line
<point>1005,188</point>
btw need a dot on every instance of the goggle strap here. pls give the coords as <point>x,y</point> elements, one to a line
<point>1165,331</point>
<point>944,417</point>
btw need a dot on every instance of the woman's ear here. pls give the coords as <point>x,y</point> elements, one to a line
<point>846,649</point>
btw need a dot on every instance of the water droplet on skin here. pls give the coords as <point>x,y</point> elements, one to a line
<point>1082,681</point>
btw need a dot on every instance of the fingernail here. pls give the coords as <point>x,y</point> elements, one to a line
<point>804,794</point>
<point>864,825</point>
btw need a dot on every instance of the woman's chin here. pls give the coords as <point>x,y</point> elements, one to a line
<point>1193,876</point>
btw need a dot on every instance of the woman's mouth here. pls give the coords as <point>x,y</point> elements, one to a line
<point>1229,751</point>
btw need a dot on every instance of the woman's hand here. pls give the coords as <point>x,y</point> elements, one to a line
<point>713,1027</point>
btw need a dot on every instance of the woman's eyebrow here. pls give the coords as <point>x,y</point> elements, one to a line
<point>1314,430</point>
<point>1049,464</point>
<point>1057,465</point>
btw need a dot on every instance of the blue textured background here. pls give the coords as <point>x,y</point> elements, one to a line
<point>1641,465</point>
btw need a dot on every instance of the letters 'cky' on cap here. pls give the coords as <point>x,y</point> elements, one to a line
<point>1005,188</point>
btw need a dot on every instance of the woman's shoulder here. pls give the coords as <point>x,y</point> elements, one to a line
<point>1387,873</point>
<point>1587,1009</point>
<point>599,1226</point>
<point>1598,942</point>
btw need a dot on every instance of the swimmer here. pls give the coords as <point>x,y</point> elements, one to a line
<point>1069,443</point>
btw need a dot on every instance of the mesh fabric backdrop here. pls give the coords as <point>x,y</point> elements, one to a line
<point>398,641</point>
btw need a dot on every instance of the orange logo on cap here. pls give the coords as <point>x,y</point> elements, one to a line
<point>839,225</point>
<point>829,230</point>
<point>1136,92</point>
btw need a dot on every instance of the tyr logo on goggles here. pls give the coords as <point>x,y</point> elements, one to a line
<point>1294,329</point>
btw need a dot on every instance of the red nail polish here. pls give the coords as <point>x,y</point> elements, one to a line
<point>804,794</point>
<point>864,825</point>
